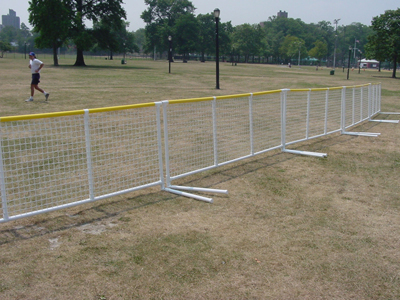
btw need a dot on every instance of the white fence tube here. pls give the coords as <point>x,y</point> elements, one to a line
<point>166,144</point>
<point>308,114</point>
<point>2,182</point>
<point>215,137</point>
<point>189,195</point>
<point>343,110</point>
<point>251,124</point>
<point>89,155</point>
<point>283,117</point>
<point>159,144</point>
<point>353,107</point>
<point>369,100</point>
<point>197,189</point>
<point>326,111</point>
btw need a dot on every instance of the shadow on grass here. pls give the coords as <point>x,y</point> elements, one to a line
<point>390,77</point>
<point>100,67</point>
<point>103,211</point>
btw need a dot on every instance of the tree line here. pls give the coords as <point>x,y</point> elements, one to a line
<point>57,23</point>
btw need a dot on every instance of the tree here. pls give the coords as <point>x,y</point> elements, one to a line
<point>293,47</point>
<point>50,19</point>
<point>206,39</point>
<point>110,12</point>
<point>186,32</point>
<point>57,20</point>
<point>319,51</point>
<point>161,17</point>
<point>4,46</point>
<point>249,40</point>
<point>140,38</point>
<point>385,43</point>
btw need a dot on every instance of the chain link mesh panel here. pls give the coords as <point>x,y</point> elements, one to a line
<point>266,122</point>
<point>52,162</point>
<point>46,162</point>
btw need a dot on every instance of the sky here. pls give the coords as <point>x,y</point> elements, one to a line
<point>252,11</point>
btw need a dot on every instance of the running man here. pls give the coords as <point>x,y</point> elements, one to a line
<point>36,65</point>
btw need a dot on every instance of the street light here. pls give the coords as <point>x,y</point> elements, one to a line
<point>298,61</point>
<point>359,63</point>
<point>348,63</point>
<point>216,15</point>
<point>26,44</point>
<point>170,52</point>
<point>336,21</point>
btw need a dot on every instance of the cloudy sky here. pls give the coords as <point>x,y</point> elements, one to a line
<point>253,11</point>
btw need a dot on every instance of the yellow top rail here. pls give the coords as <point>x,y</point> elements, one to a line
<point>73,112</point>
<point>133,106</point>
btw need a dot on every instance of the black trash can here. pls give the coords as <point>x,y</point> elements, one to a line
<point>332,72</point>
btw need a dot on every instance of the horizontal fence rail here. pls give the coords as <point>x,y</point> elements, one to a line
<point>58,160</point>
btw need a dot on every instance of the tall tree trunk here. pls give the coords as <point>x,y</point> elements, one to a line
<point>80,61</point>
<point>394,65</point>
<point>55,57</point>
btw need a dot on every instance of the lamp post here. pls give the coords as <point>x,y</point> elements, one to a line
<point>359,63</point>
<point>336,21</point>
<point>170,52</point>
<point>298,62</point>
<point>216,15</point>
<point>348,63</point>
<point>123,60</point>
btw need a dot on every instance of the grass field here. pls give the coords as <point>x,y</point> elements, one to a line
<point>291,227</point>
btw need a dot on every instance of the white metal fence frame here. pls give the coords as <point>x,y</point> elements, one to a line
<point>296,113</point>
<point>59,160</point>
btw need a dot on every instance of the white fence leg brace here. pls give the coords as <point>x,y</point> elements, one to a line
<point>283,126</point>
<point>175,189</point>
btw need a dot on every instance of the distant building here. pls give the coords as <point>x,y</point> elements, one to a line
<point>11,19</point>
<point>370,64</point>
<point>282,14</point>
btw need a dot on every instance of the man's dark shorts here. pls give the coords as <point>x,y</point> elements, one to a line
<point>35,78</point>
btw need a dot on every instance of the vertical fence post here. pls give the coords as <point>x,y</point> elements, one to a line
<point>159,143</point>
<point>166,145</point>
<point>326,111</point>
<point>308,113</point>
<point>88,154</point>
<point>369,100</point>
<point>353,106</point>
<point>283,117</point>
<point>373,102</point>
<point>215,136</point>
<point>3,182</point>
<point>361,102</point>
<point>343,111</point>
<point>251,123</point>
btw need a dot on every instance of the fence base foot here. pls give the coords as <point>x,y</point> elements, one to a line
<point>307,153</point>
<point>372,134</point>
<point>175,190</point>
<point>389,113</point>
<point>385,121</point>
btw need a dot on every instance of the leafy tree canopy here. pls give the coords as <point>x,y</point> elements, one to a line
<point>384,44</point>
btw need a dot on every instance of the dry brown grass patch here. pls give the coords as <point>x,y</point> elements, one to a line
<point>292,227</point>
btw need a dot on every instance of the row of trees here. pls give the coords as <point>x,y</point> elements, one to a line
<point>61,21</point>
<point>277,40</point>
